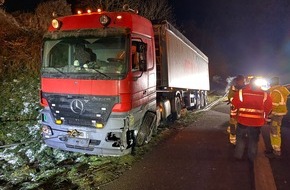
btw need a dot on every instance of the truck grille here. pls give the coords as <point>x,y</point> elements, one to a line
<point>81,110</point>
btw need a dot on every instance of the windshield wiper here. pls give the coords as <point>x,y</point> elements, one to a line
<point>101,73</point>
<point>61,72</point>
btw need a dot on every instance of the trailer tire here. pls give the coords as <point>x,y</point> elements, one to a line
<point>205,100</point>
<point>202,100</point>
<point>198,101</point>
<point>177,108</point>
<point>147,129</point>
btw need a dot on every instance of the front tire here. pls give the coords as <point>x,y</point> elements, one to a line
<point>147,129</point>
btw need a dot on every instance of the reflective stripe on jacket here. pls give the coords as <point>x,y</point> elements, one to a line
<point>253,106</point>
<point>231,93</point>
<point>233,112</point>
<point>279,97</point>
<point>233,89</point>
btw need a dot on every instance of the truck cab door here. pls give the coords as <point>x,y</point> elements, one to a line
<point>139,73</point>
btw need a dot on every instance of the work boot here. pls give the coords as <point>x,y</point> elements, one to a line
<point>277,153</point>
<point>273,155</point>
<point>229,129</point>
<point>233,142</point>
<point>232,139</point>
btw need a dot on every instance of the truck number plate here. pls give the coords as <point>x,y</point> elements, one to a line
<point>78,142</point>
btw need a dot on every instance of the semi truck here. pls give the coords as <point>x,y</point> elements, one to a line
<point>109,79</point>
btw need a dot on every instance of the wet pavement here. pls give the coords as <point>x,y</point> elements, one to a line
<point>281,167</point>
<point>200,157</point>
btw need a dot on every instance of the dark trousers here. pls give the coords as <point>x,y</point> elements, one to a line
<point>246,135</point>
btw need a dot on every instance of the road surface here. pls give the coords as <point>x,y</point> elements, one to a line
<point>281,167</point>
<point>198,156</point>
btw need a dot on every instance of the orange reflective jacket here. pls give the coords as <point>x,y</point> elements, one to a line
<point>253,106</point>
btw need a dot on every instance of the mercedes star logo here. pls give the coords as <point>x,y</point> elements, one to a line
<point>77,106</point>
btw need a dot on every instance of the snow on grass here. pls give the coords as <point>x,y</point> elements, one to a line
<point>42,148</point>
<point>10,158</point>
<point>30,154</point>
<point>26,109</point>
<point>34,130</point>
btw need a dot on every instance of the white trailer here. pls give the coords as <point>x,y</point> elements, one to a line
<point>182,71</point>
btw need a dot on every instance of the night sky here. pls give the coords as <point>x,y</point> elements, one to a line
<point>250,37</point>
<point>25,5</point>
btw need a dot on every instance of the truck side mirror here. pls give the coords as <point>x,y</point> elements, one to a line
<point>143,65</point>
<point>142,49</point>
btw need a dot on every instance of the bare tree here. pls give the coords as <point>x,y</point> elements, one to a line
<point>156,10</point>
<point>27,20</point>
<point>151,9</point>
<point>21,36</point>
<point>9,40</point>
<point>21,33</point>
<point>44,12</point>
<point>106,5</point>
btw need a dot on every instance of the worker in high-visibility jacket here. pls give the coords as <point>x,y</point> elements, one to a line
<point>279,96</point>
<point>253,106</point>
<point>237,84</point>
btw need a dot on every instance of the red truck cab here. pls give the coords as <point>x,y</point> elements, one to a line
<point>98,83</point>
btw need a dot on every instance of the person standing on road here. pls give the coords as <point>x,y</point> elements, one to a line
<point>253,106</point>
<point>237,84</point>
<point>279,96</point>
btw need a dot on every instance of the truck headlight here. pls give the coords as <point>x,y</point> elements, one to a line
<point>56,24</point>
<point>262,83</point>
<point>105,20</point>
<point>46,131</point>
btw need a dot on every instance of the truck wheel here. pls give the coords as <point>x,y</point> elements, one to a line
<point>154,127</point>
<point>146,129</point>
<point>198,101</point>
<point>205,100</point>
<point>177,108</point>
<point>202,100</point>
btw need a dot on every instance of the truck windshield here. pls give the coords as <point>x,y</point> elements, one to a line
<point>104,57</point>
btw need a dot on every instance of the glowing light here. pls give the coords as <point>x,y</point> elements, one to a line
<point>56,24</point>
<point>263,83</point>
<point>58,121</point>
<point>99,125</point>
<point>46,131</point>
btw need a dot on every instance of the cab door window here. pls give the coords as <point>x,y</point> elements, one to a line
<point>135,58</point>
<point>138,52</point>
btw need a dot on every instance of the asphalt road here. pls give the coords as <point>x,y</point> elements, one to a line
<point>281,167</point>
<point>200,157</point>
